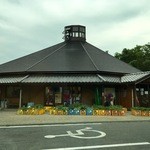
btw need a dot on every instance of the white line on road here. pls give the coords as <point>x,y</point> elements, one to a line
<point>101,146</point>
<point>79,134</point>
<point>50,125</point>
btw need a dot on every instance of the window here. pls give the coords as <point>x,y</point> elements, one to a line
<point>49,96</point>
<point>82,29</point>
<point>71,94</point>
<point>75,28</point>
<point>53,95</point>
<point>66,95</point>
<point>83,35</point>
<point>76,34</point>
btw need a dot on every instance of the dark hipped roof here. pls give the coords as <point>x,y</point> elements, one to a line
<point>75,56</point>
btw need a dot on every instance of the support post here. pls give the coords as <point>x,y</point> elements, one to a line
<point>134,96</point>
<point>20,99</point>
<point>136,100</point>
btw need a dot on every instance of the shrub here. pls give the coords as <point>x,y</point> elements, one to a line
<point>38,106</point>
<point>115,107</point>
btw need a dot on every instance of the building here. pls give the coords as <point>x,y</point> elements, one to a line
<point>73,71</point>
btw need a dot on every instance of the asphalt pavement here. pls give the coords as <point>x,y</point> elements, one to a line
<point>10,117</point>
<point>81,136</point>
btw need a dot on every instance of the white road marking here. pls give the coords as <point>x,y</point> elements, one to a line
<point>101,146</point>
<point>69,133</point>
<point>50,125</point>
<point>78,133</point>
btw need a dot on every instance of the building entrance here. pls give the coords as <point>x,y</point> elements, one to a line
<point>143,94</point>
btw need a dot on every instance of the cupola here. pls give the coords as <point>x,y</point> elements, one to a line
<point>75,33</point>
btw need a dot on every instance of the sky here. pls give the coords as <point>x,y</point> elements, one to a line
<point>27,26</point>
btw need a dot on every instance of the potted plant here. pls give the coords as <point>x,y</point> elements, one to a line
<point>59,110</point>
<point>95,110</point>
<point>89,111</point>
<point>136,111</point>
<point>52,111</point>
<point>115,110</point>
<point>24,111</point>
<point>107,111</point>
<point>74,109</point>
<point>144,111</point>
<point>83,110</point>
<point>71,109</point>
<point>39,109</point>
<point>48,108</point>
<point>65,110</point>
<point>148,111</point>
<point>101,110</point>
<point>20,111</point>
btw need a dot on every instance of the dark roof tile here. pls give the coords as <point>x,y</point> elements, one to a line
<point>68,57</point>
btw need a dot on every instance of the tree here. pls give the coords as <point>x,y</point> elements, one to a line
<point>138,56</point>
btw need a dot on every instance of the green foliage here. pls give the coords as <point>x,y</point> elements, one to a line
<point>100,107</point>
<point>59,107</point>
<point>115,107</point>
<point>141,108</point>
<point>83,107</point>
<point>138,57</point>
<point>62,107</point>
<point>136,108</point>
<point>78,106</point>
<point>23,108</point>
<point>38,106</point>
<point>75,105</point>
<point>96,107</point>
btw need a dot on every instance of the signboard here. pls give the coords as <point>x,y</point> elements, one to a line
<point>58,98</point>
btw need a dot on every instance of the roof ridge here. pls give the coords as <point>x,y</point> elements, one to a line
<point>101,77</point>
<point>89,57</point>
<point>102,51</point>
<point>25,77</point>
<point>46,57</point>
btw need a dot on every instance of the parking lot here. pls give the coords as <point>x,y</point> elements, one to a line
<point>106,135</point>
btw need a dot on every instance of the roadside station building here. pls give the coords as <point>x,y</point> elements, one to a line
<point>72,71</point>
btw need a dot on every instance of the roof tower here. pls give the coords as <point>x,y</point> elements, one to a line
<point>75,33</point>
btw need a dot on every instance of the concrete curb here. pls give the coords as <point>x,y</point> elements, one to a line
<point>10,118</point>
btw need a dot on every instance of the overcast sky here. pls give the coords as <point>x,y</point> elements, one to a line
<point>27,26</point>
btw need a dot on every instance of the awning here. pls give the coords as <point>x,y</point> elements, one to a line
<point>62,79</point>
<point>11,79</point>
<point>75,78</point>
<point>135,77</point>
<point>71,79</point>
<point>110,79</point>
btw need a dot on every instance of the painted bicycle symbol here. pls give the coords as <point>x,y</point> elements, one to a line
<point>80,134</point>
